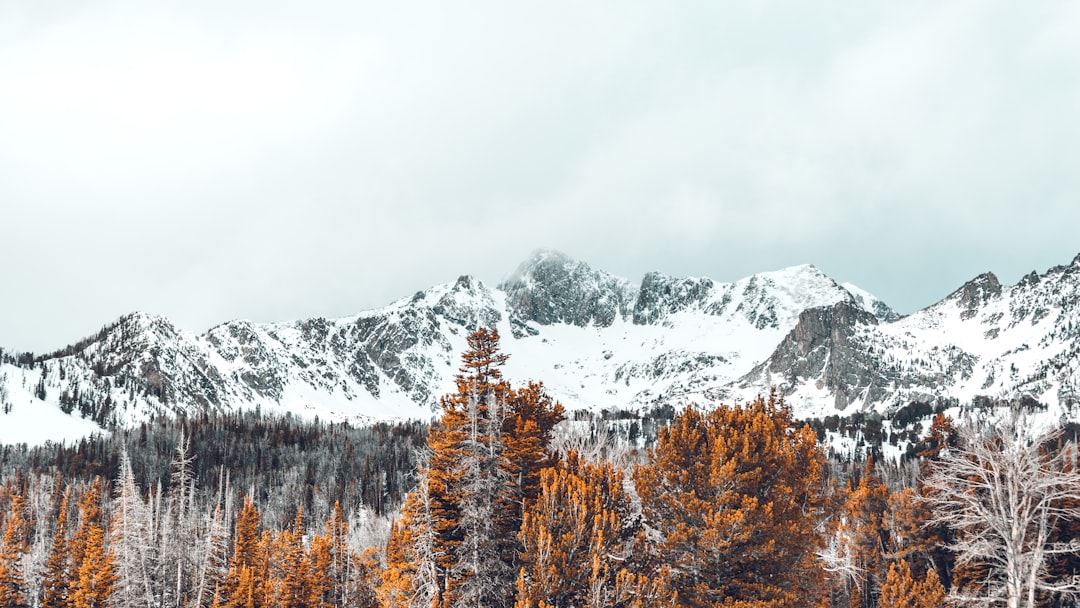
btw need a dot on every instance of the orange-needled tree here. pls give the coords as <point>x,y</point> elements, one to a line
<point>456,543</point>
<point>736,495</point>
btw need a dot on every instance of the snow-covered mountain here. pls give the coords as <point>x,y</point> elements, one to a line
<point>983,343</point>
<point>595,340</point>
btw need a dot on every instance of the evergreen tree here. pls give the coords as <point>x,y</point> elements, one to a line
<point>244,582</point>
<point>479,571</point>
<point>577,537</point>
<point>864,535</point>
<point>97,573</point>
<point>901,590</point>
<point>322,574</point>
<point>13,547</point>
<point>55,586</point>
<point>737,495</point>
<point>484,459</point>
<point>296,588</point>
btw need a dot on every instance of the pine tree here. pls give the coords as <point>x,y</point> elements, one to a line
<point>901,590</point>
<point>398,584</point>
<point>340,578</point>
<point>485,455</point>
<point>914,538</point>
<point>97,573</point>
<point>58,571</point>
<point>864,535</point>
<point>531,416</point>
<point>243,585</point>
<point>90,515</point>
<point>13,547</point>
<point>296,580</point>
<point>480,571</point>
<point>411,578</point>
<point>322,574</point>
<point>577,537</point>
<point>737,495</point>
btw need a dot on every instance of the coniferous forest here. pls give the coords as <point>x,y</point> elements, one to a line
<point>503,502</point>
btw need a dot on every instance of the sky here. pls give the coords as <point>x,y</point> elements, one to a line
<point>267,160</point>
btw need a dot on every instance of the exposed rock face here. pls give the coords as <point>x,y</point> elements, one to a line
<point>661,295</point>
<point>869,302</point>
<point>824,345</point>
<point>982,343</point>
<point>976,293</point>
<point>551,288</point>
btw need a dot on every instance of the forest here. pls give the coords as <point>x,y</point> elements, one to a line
<point>505,502</point>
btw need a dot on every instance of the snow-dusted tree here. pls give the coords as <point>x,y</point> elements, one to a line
<point>424,583</point>
<point>214,552</point>
<point>131,543</point>
<point>41,498</point>
<point>1004,492</point>
<point>181,551</point>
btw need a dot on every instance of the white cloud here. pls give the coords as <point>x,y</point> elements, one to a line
<point>268,161</point>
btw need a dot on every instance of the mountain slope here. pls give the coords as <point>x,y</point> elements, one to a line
<point>982,343</point>
<point>596,340</point>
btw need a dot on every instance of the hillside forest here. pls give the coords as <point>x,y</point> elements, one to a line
<point>504,502</point>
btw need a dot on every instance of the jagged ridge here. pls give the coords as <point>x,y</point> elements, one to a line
<point>595,339</point>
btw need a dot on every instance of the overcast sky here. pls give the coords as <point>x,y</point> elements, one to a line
<point>280,160</point>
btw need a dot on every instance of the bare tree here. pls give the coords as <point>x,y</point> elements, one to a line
<point>132,543</point>
<point>1004,491</point>
<point>424,548</point>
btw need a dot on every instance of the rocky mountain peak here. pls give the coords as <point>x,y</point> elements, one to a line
<point>469,303</point>
<point>551,287</point>
<point>661,295</point>
<point>976,293</point>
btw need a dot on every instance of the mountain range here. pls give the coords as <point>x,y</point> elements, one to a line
<point>596,340</point>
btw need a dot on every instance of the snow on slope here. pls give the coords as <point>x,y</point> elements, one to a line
<point>982,344</point>
<point>33,421</point>
<point>871,303</point>
<point>685,340</point>
<point>596,341</point>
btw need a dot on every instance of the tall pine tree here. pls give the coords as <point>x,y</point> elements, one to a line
<point>485,458</point>
<point>13,547</point>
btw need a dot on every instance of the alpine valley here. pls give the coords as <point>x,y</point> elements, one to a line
<point>597,342</point>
